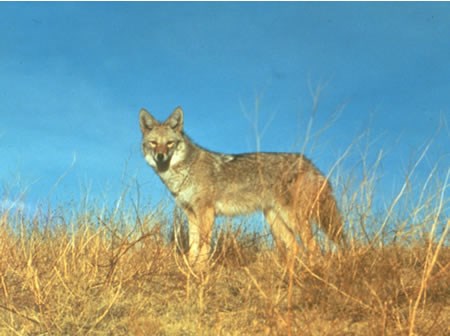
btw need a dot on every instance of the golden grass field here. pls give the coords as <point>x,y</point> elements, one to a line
<point>101,274</point>
<point>86,270</point>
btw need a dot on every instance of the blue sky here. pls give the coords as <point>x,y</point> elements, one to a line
<point>73,77</point>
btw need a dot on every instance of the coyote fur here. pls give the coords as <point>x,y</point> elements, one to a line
<point>286,187</point>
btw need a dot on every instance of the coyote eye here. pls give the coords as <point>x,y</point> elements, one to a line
<point>153,144</point>
<point>170,144</point>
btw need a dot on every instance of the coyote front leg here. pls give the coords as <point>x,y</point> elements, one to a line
<point>200,230</point>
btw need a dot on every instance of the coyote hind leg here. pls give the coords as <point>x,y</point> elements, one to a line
<point>307,236</point>
<point>283,235</point>
<point>302,226</point>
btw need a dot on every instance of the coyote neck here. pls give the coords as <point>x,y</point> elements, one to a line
<point>177,176</point>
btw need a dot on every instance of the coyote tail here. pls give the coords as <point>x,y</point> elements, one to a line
<point>330,219</point>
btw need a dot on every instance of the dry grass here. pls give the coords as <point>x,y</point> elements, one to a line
<point>112,275</point>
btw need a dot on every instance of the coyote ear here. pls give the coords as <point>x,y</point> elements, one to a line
<point>175,121</point>
<point>146,121</point>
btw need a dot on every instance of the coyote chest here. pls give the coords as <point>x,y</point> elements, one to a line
<point>178,183</point>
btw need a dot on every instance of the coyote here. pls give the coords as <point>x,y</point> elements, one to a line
<point>286,187</point>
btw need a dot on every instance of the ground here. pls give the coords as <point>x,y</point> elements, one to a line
<point>101,276</point>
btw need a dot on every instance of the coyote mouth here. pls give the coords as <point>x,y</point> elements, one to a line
<point>162,165</point>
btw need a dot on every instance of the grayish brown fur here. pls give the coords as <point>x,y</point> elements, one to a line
<point>286,187</point>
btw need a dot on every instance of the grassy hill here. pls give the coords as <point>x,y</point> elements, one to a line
<point>108,274</point>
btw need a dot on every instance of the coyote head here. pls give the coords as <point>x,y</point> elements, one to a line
<point>161,141</point>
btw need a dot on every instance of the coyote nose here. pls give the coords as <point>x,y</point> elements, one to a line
<point>160,157</point>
